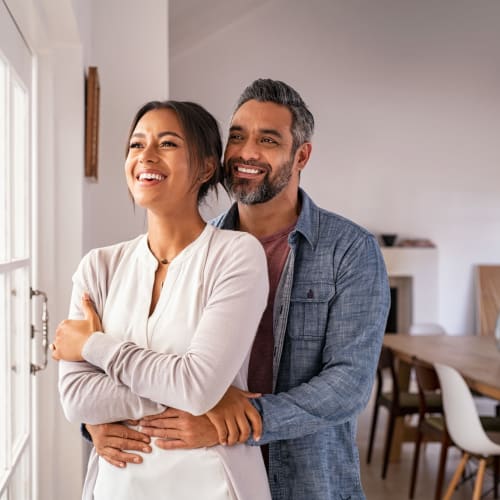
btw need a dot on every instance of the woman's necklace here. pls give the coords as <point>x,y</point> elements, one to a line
<point>165,262</point>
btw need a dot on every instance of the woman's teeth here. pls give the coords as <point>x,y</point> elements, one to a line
<point>149,176</point>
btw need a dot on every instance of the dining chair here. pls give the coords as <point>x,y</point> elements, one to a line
<point>399,403</point>
<point>465,428</point>
<point>431,425</point>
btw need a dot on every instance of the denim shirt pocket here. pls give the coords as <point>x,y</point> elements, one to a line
<point>309,305</point>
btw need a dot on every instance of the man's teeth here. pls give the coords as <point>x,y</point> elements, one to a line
<point>247,170</point>
<point>149,176</point>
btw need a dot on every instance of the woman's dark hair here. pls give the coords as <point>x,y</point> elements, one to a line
<point>202,137</point>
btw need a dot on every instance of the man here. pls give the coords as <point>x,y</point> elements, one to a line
<point>318,343</point>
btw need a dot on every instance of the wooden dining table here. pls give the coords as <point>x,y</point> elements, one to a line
<point>476,357</point>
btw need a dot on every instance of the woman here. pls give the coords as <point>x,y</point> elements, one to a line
<point>180,307</point>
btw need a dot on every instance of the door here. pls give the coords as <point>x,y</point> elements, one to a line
<point>15,262</point>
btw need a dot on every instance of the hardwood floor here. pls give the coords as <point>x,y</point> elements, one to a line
<point>396,485</point>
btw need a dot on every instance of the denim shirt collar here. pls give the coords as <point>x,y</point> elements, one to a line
<point>307,223</point>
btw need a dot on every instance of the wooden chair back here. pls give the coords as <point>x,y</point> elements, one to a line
<point>386,365</point>
<point>428,384</point>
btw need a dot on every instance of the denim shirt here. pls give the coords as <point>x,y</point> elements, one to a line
<point>330,313</point>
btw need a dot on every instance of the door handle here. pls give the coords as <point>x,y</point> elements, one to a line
<point>45,330</point>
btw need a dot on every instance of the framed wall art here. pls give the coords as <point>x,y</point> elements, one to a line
<point>92,91</point>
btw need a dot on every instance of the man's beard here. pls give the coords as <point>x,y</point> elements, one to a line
<point>250,192</point>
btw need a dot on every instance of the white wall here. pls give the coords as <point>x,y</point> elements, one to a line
<point>406,97</point>
<point>128,42</point>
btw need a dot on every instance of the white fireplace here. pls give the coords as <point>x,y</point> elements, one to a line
<point>413,277</point>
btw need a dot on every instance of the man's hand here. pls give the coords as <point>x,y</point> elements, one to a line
<point>110,441</point>
<point>178,429</point>
<point>234,417</point>
<point>71,335</point>
<point>229,422</point>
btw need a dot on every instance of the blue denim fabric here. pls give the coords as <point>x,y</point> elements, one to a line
<point>329,319</point>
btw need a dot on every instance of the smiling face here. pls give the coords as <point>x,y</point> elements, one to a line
<point>259,161</point>
<point>157,166</point>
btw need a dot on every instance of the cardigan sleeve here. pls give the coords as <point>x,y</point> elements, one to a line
<point>83,387</point>
<point>196,380</point>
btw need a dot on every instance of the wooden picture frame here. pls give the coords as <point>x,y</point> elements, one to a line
<point>92,91</point>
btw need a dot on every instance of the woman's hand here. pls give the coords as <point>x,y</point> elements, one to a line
<point>72,334</point>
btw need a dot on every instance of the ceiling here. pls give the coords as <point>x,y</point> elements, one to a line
<point>190,21</point>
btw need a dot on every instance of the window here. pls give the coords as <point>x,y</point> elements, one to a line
<point>15,265</point>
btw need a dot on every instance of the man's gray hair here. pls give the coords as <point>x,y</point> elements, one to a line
<point>267,90</point>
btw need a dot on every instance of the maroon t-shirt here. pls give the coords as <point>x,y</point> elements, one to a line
<point>260,370</point>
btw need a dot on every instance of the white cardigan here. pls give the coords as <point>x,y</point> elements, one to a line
<point>185,355</point>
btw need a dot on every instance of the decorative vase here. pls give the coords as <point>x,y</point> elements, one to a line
<point>389,239</point>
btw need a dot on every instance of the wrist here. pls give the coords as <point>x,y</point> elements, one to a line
<point>100,348</point>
